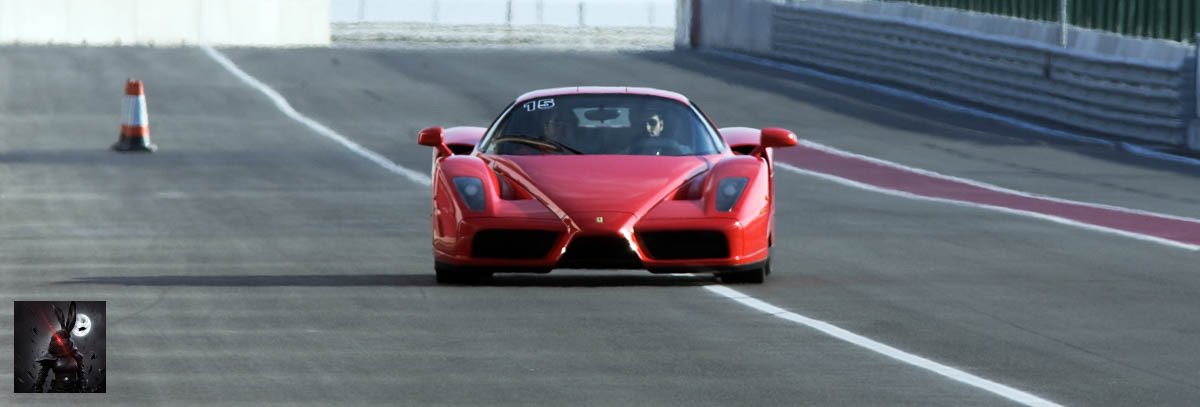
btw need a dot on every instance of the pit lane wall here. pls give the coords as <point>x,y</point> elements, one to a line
<point>165,22</point>
<point>1104,83</point>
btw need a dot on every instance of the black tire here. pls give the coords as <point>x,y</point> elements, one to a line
<point>450,276</point>
<point>753,276</point>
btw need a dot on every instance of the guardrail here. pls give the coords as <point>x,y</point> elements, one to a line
<point>1103,83</point>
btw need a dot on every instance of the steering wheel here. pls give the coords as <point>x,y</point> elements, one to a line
<point>660,146</point>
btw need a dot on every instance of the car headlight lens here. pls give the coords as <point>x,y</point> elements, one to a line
<point>470,189</point>
<point>728,192</point>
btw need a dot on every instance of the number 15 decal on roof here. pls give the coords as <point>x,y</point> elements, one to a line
<point>540,104</point>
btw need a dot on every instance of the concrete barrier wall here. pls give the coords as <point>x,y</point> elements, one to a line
<point>590,13</point>
<point>683,23</point>
<point>165,22</point>
<point>1105,83</point>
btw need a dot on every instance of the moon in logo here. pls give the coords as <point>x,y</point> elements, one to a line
<point>83,326</point>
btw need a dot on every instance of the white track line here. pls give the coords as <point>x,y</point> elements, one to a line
<point>1001,390</point>
<point>1052,218</point>
<point>947,371</point>
<point>287,109</point>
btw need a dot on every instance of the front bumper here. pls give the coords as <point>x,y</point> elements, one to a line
<point>661,246</point>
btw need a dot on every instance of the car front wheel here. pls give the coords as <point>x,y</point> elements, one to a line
<point>755,275</point>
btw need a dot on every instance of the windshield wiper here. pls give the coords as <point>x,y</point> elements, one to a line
<point>560,145</point>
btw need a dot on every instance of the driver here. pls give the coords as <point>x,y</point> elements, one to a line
<point>651,140</point>
<point>654,124</point>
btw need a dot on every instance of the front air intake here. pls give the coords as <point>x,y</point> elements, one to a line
<point>685,244</point>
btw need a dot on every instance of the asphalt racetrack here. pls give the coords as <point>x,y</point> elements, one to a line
<point>253,260</point>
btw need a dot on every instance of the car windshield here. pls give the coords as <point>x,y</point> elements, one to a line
<point>602,124</point>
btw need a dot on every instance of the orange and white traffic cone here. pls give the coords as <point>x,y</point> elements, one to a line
<point>135,125</point>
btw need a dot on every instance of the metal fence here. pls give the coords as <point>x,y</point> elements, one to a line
<point>1177,20</point>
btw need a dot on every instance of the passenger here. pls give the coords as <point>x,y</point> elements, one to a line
<point>559,126</point>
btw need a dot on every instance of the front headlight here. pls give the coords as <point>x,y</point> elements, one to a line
<point>470,189</point>
<point>728,192</point>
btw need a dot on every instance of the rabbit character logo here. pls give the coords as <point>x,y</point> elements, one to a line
<point>62,358</point>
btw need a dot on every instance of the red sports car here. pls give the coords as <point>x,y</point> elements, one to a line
<point>603,177</point>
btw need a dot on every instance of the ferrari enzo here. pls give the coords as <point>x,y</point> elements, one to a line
<point>603,177</point>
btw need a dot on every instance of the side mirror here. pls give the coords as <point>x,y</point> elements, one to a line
<point>774,137</point>
<point>777,137</point>
<point>432,136</point>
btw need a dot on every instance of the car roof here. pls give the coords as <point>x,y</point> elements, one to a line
<point>580,90</point>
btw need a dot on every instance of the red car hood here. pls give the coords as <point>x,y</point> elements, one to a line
<point>581,184</point>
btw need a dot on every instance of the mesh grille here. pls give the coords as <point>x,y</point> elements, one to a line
<point>512,244</point>
<point>600,252</point>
